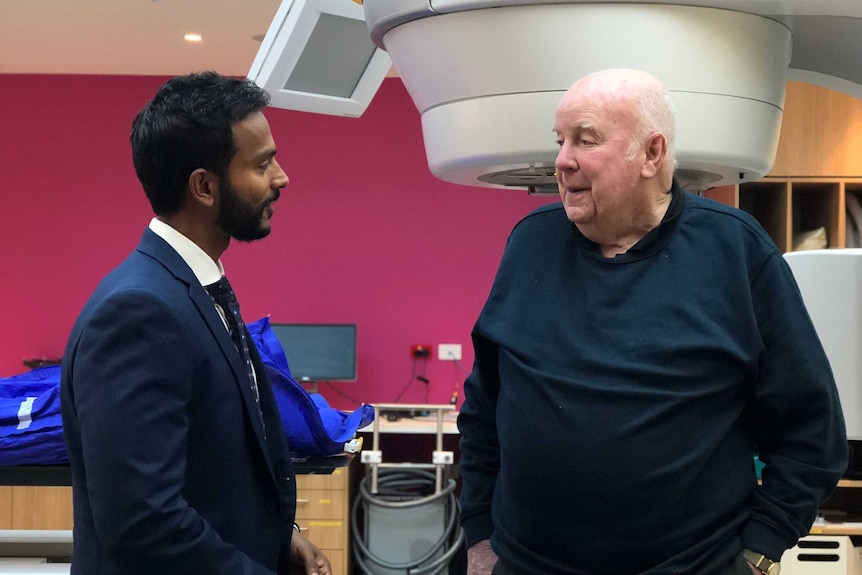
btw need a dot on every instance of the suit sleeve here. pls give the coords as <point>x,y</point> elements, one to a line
<point>134,375</point>
<point>796,416</point>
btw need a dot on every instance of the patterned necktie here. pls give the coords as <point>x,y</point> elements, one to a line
<point>222,294</point>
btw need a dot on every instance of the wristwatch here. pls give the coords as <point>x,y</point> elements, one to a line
<point>761,562</point>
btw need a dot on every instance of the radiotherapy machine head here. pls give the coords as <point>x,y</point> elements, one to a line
<point>486,75</point>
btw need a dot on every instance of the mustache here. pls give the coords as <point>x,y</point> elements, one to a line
<point>276,193</point>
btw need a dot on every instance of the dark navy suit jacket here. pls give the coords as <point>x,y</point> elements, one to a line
<point>172,472</point>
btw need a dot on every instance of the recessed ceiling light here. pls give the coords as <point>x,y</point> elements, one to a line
<point>193,37</point>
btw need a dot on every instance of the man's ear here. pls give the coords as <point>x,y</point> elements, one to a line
<point>203,187</point>
<point>656,152</point>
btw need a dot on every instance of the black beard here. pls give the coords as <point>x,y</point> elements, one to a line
<point>239,219</point>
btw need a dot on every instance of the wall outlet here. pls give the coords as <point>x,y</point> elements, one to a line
<point>449,351</point>
<point>420,350</point>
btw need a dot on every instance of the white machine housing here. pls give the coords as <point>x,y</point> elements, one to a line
<point>487,83</point>
<point>831,286</point>
<point>486,75</point>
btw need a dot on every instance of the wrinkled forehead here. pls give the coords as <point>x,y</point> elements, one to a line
<point>596,104</point>
<point>606,90</point>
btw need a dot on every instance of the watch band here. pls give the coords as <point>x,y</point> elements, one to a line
<point>761,562</point>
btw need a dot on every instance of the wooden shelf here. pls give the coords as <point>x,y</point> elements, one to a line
<point>842,528</point>
<point>787,207</point>
<point>818,162</point>
<point>836,529</point>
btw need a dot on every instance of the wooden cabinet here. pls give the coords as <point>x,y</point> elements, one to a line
<point>322,511</point>
<point>842,510</point>
<point>818,163</point>
<point>5,507</point>
<point>788,207</point>
<point>323,515</point>
<point>35,507</point>
<point>821,133</point>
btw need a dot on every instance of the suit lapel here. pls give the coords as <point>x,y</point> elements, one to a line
<point>154,246</point>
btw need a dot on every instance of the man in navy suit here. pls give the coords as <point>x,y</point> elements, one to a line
<point>178,456</point>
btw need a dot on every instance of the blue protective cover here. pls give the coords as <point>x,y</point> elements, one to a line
<point>312,427</point>
<point>31,430</point>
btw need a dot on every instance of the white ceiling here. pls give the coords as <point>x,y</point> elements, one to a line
<point>136,37</point>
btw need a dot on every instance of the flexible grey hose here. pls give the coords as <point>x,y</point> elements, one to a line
<point>402,489</point>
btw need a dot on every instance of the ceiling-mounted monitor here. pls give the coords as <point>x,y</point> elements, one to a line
<point>317,57</point>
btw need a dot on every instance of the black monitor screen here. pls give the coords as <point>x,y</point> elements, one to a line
<point>318,352</point>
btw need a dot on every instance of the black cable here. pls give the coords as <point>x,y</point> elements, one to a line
<point>341,393</point>
<point>424,379</point>
<point>409,383</point>
<point>461,365</point>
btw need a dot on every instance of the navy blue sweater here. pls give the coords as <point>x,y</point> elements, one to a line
<point>615,405</point>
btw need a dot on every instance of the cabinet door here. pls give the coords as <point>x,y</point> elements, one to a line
<point>5,508</point>
<point>335,480</point>
<point>337,558</point>
<point>320,504</point>
<point>331,534</point>
<point>39,507</point>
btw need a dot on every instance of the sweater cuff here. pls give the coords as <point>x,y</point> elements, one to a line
<point>476,528</point>
<point>759,537</point>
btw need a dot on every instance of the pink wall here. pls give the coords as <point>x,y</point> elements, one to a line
<point>364,233</point>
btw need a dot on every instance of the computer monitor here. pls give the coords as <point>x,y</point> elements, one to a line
<point>318,352</point>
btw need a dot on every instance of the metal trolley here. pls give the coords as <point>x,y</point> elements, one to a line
<point>408,512</point>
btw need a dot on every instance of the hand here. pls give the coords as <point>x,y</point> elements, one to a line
<point>307,558</point>
<point>481,558</point>
<point>754,570</point>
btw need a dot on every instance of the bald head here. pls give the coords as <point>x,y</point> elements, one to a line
<point>636,97</point>
<point>615,165</point>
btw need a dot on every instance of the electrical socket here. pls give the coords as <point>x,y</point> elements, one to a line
<point>420,350</point>
<point>449,351</point>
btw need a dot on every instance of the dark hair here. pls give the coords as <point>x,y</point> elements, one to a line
<point>189,125</point>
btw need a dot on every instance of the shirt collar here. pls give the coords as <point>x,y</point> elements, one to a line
<point>205,269</point>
